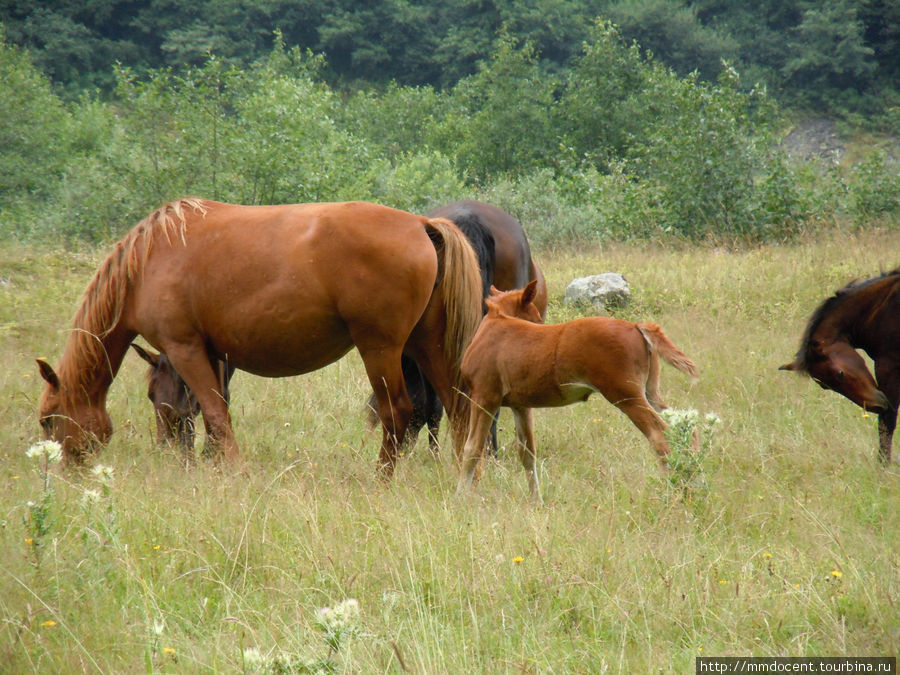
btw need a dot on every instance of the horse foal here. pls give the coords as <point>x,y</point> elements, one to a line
<point>512,361</point>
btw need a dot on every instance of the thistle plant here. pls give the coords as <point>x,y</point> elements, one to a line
<point>338,624</point>
<point>689,435</point>
<point>38,520</point>
<point>93,499</point>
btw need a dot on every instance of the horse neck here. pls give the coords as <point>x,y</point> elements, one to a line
<point>90,363</point>
<point>856,313</point>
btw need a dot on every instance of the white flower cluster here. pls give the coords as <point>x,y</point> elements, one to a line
<point>343,616</point>
<point>52,450</point>
<point>104,473</point>
<point>90,497</point>
<point>689,418</point>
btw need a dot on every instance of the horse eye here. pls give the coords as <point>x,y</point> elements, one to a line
<point>840,375</point>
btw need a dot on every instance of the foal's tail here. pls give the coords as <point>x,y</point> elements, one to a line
<point>661,344</point>
<point>460,282</point>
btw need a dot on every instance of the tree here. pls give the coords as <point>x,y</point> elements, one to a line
<point>829,50</point>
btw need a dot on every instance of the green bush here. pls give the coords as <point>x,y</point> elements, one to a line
<point>875,188</point>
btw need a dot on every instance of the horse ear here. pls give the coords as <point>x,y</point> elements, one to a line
<point>48,373</point>
<point>788,366</point>
<point>495,290</point>
<point>150,357</point>
<point>529,292</point>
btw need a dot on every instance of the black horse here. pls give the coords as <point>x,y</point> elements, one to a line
<point>862,315</point>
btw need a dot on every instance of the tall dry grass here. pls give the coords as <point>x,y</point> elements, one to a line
<point>791,548</point>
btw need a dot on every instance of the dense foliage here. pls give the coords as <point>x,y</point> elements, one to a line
<point>842,53</point>
<point>615,145</point>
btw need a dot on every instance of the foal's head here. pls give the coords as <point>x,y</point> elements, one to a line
<point>518,304</point>
<point>174,402</point>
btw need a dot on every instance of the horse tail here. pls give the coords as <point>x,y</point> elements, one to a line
<point>541,294</point>
<point>459,279</point>
<point>661,343</point>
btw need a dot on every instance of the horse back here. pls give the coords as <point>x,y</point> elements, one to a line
<point>283,289</point>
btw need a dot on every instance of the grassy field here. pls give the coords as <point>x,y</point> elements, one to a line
<point>789,546</point>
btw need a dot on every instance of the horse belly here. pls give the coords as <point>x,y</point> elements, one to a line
<point>279,349</point>
<point>552,396</point>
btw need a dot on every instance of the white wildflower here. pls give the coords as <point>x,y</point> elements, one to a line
<point>253,658</point>
<point>52,450</point>
<point>159,625</point>
<point>90,497</point>
<point>712,419</point>
<point>104,473</point>
<point>342,616</point>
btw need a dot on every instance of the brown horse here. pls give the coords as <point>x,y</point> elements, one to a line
<point>174,403</point>
<point>862,315</point>
<point>515,362</point>
<point>275,291</point>
<point>504,259</point>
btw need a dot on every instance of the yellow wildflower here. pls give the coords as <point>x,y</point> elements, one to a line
<point>837,574</point>
<point>49,623</point>
<point>518,559</point>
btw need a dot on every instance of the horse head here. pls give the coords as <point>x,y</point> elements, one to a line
<point>174,402</point>
<point>518,304</point>
<point>70,417</point>
<point>836,365</point>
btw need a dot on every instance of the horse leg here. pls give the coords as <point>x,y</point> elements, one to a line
<point>186,436</point>
<point>888,378</point>
<point>492,444</point>
<point>480,416</point>
<point>525,445</point>
<point>434,412</point>
<point>394,407</point>
<point>645,418</point>
<point>652,388</point>
<point>194,365</point>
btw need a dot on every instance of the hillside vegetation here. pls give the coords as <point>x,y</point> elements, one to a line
<point>616,147</point>
<point>783,543</point>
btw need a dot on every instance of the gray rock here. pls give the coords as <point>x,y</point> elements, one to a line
<point>600,290</point>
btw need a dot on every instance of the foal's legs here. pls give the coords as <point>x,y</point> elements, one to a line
<point>652,388</point>
<point>480,416</point>
<point>645,418</point>
<point>525,445</point>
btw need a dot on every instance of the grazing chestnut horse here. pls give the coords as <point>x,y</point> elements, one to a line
<point>862,315</point>
<point>504,258</point>
<point>516,363</point>
<point>173,401</point>
<point>276,291</point>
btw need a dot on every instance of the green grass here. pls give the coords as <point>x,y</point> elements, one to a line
<point>791,548</point>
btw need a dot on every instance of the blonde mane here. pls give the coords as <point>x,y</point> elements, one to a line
<point>104,298</point>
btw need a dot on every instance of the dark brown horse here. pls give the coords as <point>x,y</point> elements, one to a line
<point>174,403</point>
<point>862,315</point>
<point>504,258</point>
<point>515,362</point>
<point>275,291</point>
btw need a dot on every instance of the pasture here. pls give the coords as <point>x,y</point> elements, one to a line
<point>790,545</point>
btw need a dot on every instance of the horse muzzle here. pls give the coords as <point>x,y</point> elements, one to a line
<point>880,405</point>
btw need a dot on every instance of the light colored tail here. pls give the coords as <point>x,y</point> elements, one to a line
<point>460,281</point>
<point>660,343</point>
